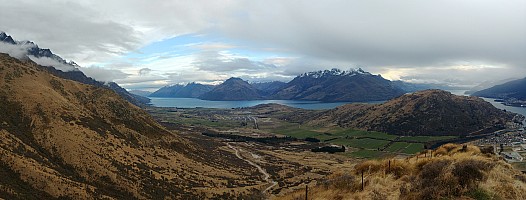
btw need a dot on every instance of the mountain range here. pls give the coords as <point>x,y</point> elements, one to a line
<point>191,90</point>
<point>327,85</point>
<point>67,70</point>
<point>233,89</point>
<point>337,85</point>
<point>515,89</point>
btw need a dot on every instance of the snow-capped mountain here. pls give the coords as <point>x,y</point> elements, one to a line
<point>339,85</point>
<point>335,72</point>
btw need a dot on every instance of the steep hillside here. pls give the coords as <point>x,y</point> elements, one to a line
<point>67,70</point>
<point>429,112</point>
<point>268,88</point>
<point>233,89</point>
<point>63,139</point>
<point>450,172</point>
<point>336,85</point>
<point>140,92</point>
<point>512,89</point>
<point>191,90</point>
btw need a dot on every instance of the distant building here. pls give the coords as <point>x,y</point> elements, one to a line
<point>512,156</point>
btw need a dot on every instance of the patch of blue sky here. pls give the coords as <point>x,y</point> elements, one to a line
<point>173,46</point>
<point>192,44</point>
<point>257,54</point>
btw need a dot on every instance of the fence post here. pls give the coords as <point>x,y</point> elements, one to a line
<point>362,180</point>
<point>306,192</point>
<point>389,168</point>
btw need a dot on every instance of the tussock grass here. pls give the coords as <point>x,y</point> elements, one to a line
<point>450,172</point>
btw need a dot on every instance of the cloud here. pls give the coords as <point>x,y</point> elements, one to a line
<point>103,74</point>
<point>196,76</point>
<point>463,74</point>
<point>144,71</point>
<point>20,51</point>
<point>49,62</point>
<point>215,61</point>
<point>17,51</point>
<point>406,37</point>
<point>71,30</point>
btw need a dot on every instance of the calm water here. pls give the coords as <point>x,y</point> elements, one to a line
<point>519,110</point>
<point>312,105</point>
<point>194,103</point>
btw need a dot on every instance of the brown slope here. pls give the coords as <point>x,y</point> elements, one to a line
<point>429,112</point>
<point>453,172</point>
<point>60,138</point>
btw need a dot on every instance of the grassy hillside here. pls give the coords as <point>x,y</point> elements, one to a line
<point>429,112</point>
<point>63,139</point>
<point>450,172</point>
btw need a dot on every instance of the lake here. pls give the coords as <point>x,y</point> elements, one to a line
<point>195,103</point>
<point>311,105</point>
<point>519,110</point>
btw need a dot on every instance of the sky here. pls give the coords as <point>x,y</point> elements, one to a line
<point>149,44</point>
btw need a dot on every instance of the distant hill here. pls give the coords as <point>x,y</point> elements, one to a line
<point>191,90</point>
<point>337,85</point>
<point>414,87</point>
<point>233,89</point>
<point>429,112</point>
<point>269,88</point>
<point>140,92</point>
<point>67,70</point>
<point>487,84</point>
<point>512,89</point>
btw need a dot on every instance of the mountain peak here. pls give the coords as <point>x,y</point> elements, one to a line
<point>6,38</point>
<point>234,79</point>
<point>335,72</point>
<point>233,89</point>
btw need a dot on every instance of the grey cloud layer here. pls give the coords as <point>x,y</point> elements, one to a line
<point>381,35</point>
<point>72,31</point>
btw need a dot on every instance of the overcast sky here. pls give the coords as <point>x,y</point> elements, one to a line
<point>146,44</point>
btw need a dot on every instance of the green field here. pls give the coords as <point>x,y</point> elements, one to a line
<point>365,143</point>
<point>395,147</point>
<point>364,153</point>
<point>425,138</point>
<point>297,131</point>
<point>413,148</point>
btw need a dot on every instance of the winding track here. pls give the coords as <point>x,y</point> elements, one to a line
<point>266,176</point>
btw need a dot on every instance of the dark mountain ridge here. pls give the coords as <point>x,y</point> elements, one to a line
<point>328,86</point>
<point>190,90</point>
<point>233,89</point>
<point>512,89</point>
<point>72,72</point>
<point>337,85</point>
<point>269,88</point>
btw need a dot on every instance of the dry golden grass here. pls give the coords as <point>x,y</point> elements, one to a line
<point>450,172</point>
